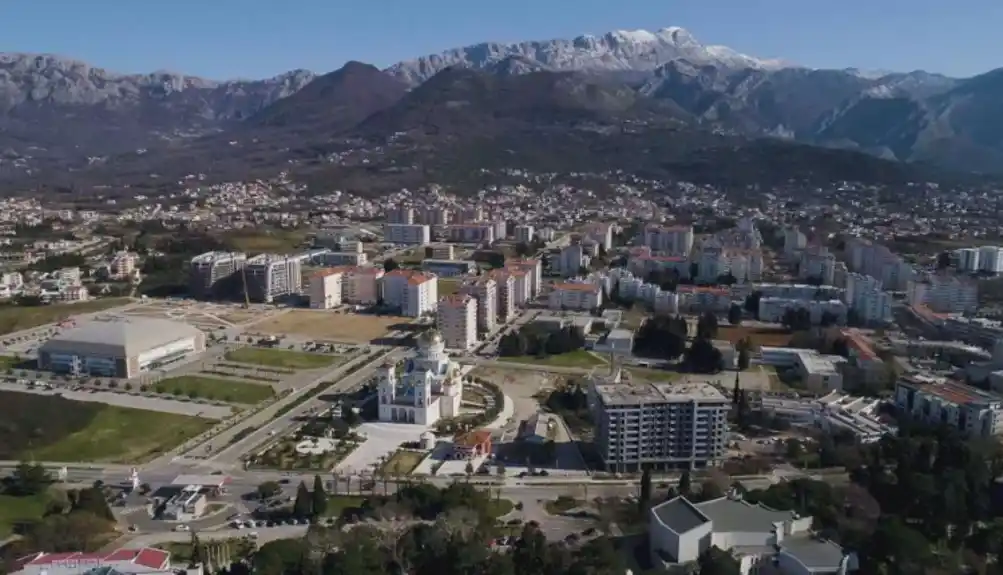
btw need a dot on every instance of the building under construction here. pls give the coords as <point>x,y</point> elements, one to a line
<point>215,275</point>
<point>270,277</point>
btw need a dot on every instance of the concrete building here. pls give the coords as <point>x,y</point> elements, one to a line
<point>472,233</point>
<point>214,273</point>
<point>484,289</point>
<point>642,265</point>
<point>574,296</point>
<point>794,241</point>
<point>401,215</point>
<point>830,413</point>
<point>362,285</point>
<point>456,320</point>
<point>865,296</point>
<point>122,265</point>
<point>772,309</point>
<point>505,280</point>
<point>522,286</point>
<point>122,348</point>
<point>967,259</point>
<point>572,260</point>
<point>429,388</point>
<point>271,277</point>
<point>325,288</point>
<point>524,233</point>
<point>944,293</point>
<point>817,262</point>
<point>991,259</point>
<point>939,401</point>
<point>435,216</point>
<point>415,293</point>
<point>412,234</point>
<point>601,233</point>
<point>657,425</point>
<point>352,258</point>
<point>699,298</point>
<point>449,268</point>
<point>143,561</point>
<point>669,240</point>
<point>187,505</point>
<point>445,252</point>
<point>762,539</point>
<point>534,268</point>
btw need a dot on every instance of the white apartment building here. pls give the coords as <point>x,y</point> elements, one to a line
<point>944,293</point>
<point>414,292</point>
<point>456,320</point>
<point>485,290</point>
<point>968,259</point>
<point>971,411</point>
<point>868,258</point>
<point>12,280</point>
<point>473,233</point>
<point>991,259</point>
<point>658,425</point>
<point>440,252</point>
<point>209,273</point>
<point>772,309</point>
<point>697,298</point>
<point>435,216</point>
<point>534,269</point>
<point>362,285</point>
<point>572,260</point>
<point>271,276</point>
<point>522,286</point>
<point>792,291</point>
<point>402,215</point>
<point>505,280</point>
<point>413,234</point>
<point>524,233</point>
<point>574,296</point>
<point>123,265</point>
<point>325,288</point>
<point>865,296</point>
<point>351,258</point>
<point>72,293</point>
<point>818,262</point>
<point>794,241</point>
<point>601,233</point>
<point>669,240</point>
<point>643,265</point>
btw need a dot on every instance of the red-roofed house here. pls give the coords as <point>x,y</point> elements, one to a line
<point>145,560</point>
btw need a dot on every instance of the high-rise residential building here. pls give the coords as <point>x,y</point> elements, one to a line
<point>485,290</point>
<point>866,298</point>
<point>601,233</point>
<point>271,276</point>
<point>967,259</point>
<point>657,425</point>
<point>572,260</point>
<point>534,269</point>
<point>435,216</point>
<point>402,215</point>
<point>669,240</point>
<point>456,319</point>
<point>794,241</point>
<point>416,234</point>
<point>818,263</point>
<point>991,259</point>
<point>414,292</point>
<point>574,296</point>
<point>361,285</point>
<point>213,274</point>
<point>944,293</point>
<point>868,258</point>
<point>474,232</point>
<point>505,279</point>
<point>523,233</point>
<point>123,265</point>
<point>440,252</point>
<point>325,288</point>
<point>470,215</point>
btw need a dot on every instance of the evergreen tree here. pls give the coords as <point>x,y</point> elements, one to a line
<point>92,500</point>
<point>736,392</point>
<point>198,552</point>
<point>645,499</point>
<point>319,497</point>
<point>303,506</point>
<point>685,483</point>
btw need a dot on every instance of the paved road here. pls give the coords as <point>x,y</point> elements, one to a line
<point>264,535</point>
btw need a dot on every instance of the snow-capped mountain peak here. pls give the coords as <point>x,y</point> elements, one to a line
<point>619,50</point>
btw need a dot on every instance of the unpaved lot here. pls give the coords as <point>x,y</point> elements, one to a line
<point>328,325</point>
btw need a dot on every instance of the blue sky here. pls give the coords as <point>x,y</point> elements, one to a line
<point>258,38</point>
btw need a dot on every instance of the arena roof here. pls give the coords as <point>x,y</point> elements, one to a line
<point>120,337</point>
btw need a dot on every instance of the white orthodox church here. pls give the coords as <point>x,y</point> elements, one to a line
<point>428,389</point>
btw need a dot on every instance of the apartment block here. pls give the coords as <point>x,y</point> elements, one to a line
<point>440,252</point>
<point>413,234</point>
<point>522,286</point>
<point>456,320</point>
<point>868,258</point>
<point>434,216</point>
<point>210,274</point>
<point>473,233</point>
<point>658,425</point>
<point>325,288</point>
<point>944,293</point>
<point>505,281</point>
<point>524,233</point>
<point>669,240</point>
<point>362,285</point>
<point>772,309</point>
<point>967,259</point>
<point>573,258</point>
<point>414,292</point>
<point>402,215</point>
<point>644,265</point>
<point>991,259</point>
<point>817,262</point>
<point>794,241</point>
<point>601,233</point>
<point>271,276</point>
<point>865,296</point>
<point>574,296</point>
<point>973,412</point>
<point>351,258</point>
<point>122,265</point>
<point>485,290</point>
<point>534,269</point>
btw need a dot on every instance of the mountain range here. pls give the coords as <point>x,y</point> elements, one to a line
<point>58,114</point>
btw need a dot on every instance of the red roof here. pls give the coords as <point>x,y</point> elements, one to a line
<point>153,559</point>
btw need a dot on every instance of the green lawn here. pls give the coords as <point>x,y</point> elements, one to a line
<point>402,463</point>
<point>216,389</point>
<point>336,504</point>
<point>122,435</point>
<point>577,358</point>
<point>652,375</point>
<point>16,318</point>
<point>14,510</point>
<point>447,286</point>
<point>280,358</point>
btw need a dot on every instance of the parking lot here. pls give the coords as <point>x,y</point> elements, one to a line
<point>382,439</point>
<point>131,400</point>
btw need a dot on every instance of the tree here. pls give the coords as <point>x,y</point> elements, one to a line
<point>744,359</point>
<point>93,501</point>
<point>318,497</point>
<point>303,505</point>
<point>522,249</point>
<point>645,498</point>
<point>198,552</point>
<point>390,265</point>
<point>717,562</point>
<point>28,479</point>
<point>268,489</point>
<point>707,326</point>
<point>943,260</point>
<point>752,303</point>
<point>735,314</point>
<point>685,483</point>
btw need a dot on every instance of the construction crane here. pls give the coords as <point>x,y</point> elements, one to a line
<point>243,276</point>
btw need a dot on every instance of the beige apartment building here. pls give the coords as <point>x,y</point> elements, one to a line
<point>456,320</point>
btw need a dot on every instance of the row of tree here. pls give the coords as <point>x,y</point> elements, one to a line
<point>536,341</point>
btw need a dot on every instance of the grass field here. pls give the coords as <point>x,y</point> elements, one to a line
<point>652,375</point>
<point>758,336</point>
<point>336,504</point>
<point>215,389</point>
<point>578,358</point>
<point>262,241</point>
<point>447,286</point>
<point>330,326</point>
<point>401,463</point>
<point>121,435</point>
<point>16,318</point>
<point>14,510</point>
<point>280,358</point>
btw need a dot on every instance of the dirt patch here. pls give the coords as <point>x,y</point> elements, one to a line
<point>759,336</point>
<point>329,326</point>
<point>522,385</point>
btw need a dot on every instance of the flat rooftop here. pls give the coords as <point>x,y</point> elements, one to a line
<point>626,394</point>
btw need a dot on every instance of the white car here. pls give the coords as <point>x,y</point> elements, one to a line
<point>182,528</point>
